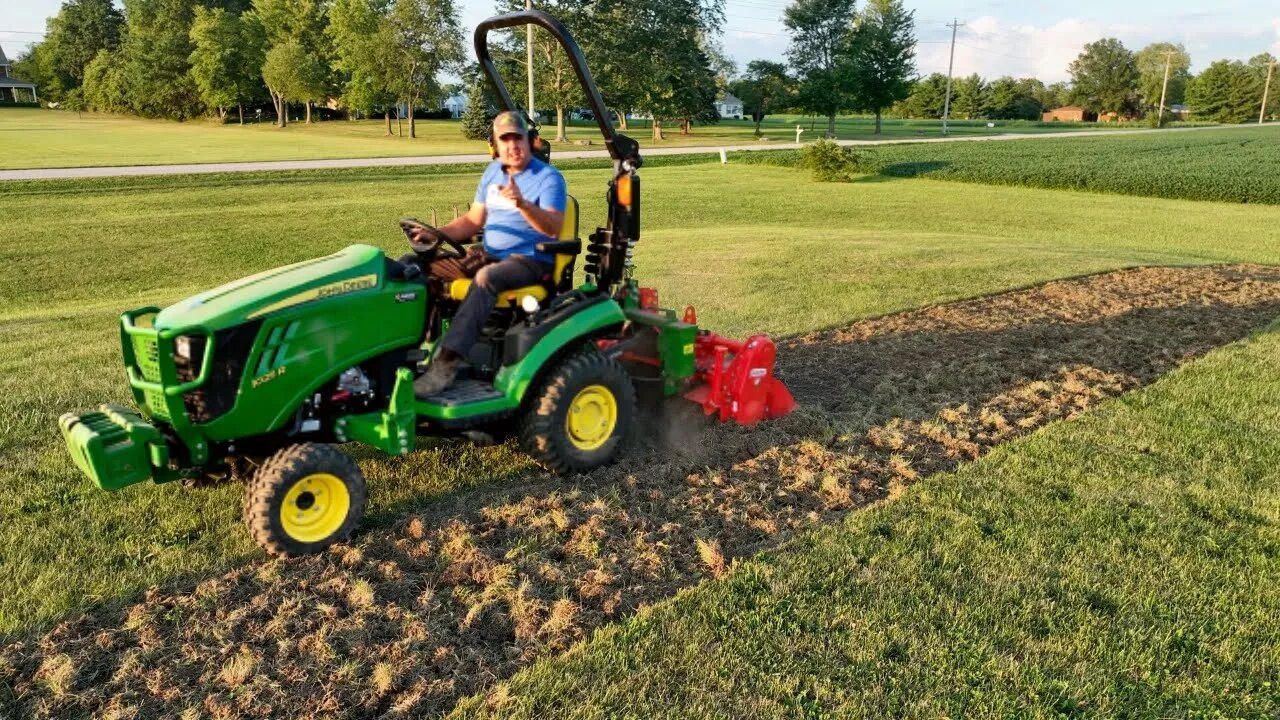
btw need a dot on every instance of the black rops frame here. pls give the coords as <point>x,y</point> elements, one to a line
<point>621,148</point>
<point>607,250</point>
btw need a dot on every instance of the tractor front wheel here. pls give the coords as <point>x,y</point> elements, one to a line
<point>303,499</point>
<point>580,415</point>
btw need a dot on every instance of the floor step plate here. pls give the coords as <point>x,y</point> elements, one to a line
<point>464,392</point>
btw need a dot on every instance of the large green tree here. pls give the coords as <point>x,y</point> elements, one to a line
<point>881,60</point>
<point>428,40</point>
<point>155,57</point>
<point>1151,70</point>
<point>105,88</point>
<point>821,33</point>
<point>291,73</point>
<point>764,89</point>
<point>364,46</point>
<point>299,24</point>
<point>1104,78</point>
<point>226,63</point>
<point>80,30</point>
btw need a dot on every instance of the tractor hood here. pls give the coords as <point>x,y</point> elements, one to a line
<point>358,267</point>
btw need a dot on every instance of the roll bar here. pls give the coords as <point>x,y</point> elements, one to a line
<point>624,151</point>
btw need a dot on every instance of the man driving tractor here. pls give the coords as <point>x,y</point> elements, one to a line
<point>519,203</point>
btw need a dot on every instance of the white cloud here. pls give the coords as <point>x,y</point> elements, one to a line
<point>991,48</point>
<point>1275,46</point>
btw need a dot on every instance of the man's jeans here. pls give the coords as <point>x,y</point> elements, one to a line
<point>492,280</point>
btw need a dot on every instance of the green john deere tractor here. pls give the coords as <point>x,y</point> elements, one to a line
<point>268,373</point>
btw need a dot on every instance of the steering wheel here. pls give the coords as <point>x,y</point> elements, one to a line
<point>429,249</point>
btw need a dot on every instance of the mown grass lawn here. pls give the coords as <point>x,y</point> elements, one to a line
<point>53,138</point>
<point>756,249</point>
<point>1124,564</point>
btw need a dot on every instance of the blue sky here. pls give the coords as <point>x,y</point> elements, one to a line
<point>1001,37</point>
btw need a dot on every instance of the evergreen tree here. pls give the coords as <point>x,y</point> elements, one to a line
<point>927,98</point>
<point>970,97</point>
<point>478,116</point>
<point>1224,93</point>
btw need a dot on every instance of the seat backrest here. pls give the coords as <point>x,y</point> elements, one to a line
<point>562,276</point>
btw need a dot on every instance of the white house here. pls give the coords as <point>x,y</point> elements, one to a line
<point>10,86</point>
<point>729,107</point>
<point>455,104</point>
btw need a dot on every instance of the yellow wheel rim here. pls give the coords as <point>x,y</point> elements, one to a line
<point>315,507</point>
<point>593,415</point>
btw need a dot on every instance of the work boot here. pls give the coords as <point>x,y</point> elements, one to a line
<point>439,375</point>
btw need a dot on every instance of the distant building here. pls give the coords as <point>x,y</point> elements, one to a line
<point>729,107</point>
<point>11,88</point>
<point>1068,113</point>
<point>455,104</point>
<point>1180,111</point>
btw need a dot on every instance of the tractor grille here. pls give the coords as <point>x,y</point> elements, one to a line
<point>231,349</point>
<point>147,355</point>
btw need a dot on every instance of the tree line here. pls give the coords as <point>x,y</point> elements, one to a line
<point>181,59</point>
<point>1107,78</point>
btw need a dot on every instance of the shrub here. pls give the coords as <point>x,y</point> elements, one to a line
<point>829,161</point>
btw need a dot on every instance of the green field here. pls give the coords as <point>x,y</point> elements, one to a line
<point>1231,165</point>
<point>868,609</point>
<point>50,138</point>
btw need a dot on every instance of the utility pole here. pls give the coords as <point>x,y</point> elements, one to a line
<point>528,45</point>
<point>1266,90</point>
<point>1168,60</point>
<point>946,106</point>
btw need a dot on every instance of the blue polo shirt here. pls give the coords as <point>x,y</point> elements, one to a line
<point>506,232</point>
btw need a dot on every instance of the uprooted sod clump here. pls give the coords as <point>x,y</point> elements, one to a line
<point>408,619</point>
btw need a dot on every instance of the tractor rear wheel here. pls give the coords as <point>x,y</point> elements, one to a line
<point>303,499</point>
<point>580,414</point>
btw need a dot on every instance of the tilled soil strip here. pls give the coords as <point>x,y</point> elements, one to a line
<point>407,620</point>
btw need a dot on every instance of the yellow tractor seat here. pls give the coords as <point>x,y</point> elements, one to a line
<point>565,252</point>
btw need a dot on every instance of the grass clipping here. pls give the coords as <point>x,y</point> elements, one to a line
<point>409,619</point>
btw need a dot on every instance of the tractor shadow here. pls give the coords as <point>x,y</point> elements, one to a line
<point>447,600</point>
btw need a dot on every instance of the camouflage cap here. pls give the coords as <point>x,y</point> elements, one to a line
<point>510,123</point>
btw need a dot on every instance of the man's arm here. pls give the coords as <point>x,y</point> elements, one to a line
<point>465,227</point>
<point>544,220</point>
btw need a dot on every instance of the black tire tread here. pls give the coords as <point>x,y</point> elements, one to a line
<point>273,478</point>
<point>542,426</point>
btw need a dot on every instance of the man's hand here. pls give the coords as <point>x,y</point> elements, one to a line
<point>511,191</point>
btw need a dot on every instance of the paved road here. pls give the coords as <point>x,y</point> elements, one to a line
<point>134,170</point>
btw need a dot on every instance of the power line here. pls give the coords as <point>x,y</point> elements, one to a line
<point>755,32</point>
<point>993,52</point>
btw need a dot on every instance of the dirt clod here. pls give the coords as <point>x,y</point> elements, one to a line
<point>407,619</point>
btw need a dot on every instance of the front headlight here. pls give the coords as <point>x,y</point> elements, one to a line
<point>182,347</point>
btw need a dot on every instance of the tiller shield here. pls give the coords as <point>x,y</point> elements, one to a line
<point>737,379</point>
